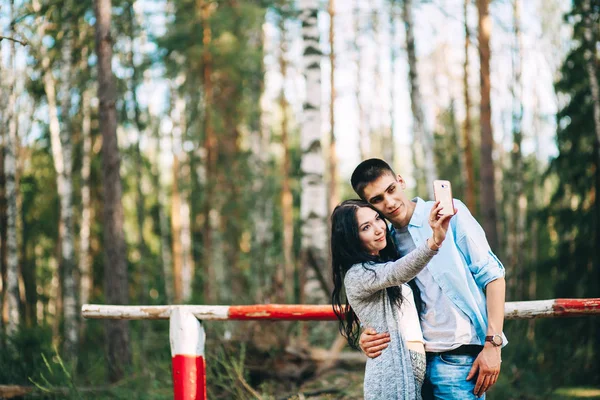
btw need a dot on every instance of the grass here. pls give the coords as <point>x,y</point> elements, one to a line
<point>576,393</point>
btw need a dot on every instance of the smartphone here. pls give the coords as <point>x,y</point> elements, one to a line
<point>442,190</point>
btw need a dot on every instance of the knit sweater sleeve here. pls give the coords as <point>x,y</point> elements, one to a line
<point>365,280</point>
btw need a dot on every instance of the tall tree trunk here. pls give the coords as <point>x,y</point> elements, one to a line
<point>467,134</point>
<point>10,168</point>
<point>187,268</point>
<point>135,82</point>
<point>423,142</point>
<point>332,156</point>
<point>142,271</point>
<point>591,64</point>
<point>313,208</point>
<point>65,189</point>
<point>269,283</point>
<point>163,220</point>
<point>85,264</point>
<point>536,201</point>
<point>4,114</point>
<point>176,233</point>
<point>180,215</point>
<point>210,145</point>
<point>364,143</point>
<point>390,146</point>
<point>287,200</point>
<point>519,202</point>
<point>115,272</point>
<point>488,185</point>
<point>376,130</point>
<point>62,158</point>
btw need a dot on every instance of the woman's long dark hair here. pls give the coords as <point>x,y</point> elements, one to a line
<point>347,250</point>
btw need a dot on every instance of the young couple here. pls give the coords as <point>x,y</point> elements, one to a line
<point>428,290</point>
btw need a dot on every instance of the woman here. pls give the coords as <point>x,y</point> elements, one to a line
<point>367,270</point>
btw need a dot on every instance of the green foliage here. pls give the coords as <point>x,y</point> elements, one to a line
<point>22,355</point>
<point>573,219</point>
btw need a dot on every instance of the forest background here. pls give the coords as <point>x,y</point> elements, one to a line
<point>179,151</point>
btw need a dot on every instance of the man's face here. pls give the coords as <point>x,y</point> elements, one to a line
<point>387,195</point>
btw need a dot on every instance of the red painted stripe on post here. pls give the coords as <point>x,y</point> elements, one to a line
<point>575,307</point>
<point>189,377</point>
<point>289,312</point>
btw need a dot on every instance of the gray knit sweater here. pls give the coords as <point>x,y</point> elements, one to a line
<point>390,375</point>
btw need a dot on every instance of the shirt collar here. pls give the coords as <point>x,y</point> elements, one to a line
<point>419,213</point>
<point>417,217</point>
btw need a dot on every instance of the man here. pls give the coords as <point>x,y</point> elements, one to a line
<point>462,289</point>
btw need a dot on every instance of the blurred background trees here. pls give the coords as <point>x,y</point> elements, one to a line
<point>183,151</point>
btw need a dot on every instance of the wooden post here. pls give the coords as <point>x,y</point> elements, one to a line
<point>187,351</point>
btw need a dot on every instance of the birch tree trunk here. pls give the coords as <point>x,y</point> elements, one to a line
<point>487,178</point>
<point>376,131</point>
<point>270,281</point>
<point>313,208</point>
<point>10,168</point>
<point>62,158</point>
<point>364,143</point>
<point>332,156</point>
<point>65,190</point>
<point>467,134</point>
<point>423,138</point>
<point>180,216</point>
<point>390,146</point>
<point>536,202</point>
<point>115,273</point>
<point>85,265</point>
<point>287,200</point>
<point>3,129</point>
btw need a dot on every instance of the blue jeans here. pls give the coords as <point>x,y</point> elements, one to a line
<point>446,377</point>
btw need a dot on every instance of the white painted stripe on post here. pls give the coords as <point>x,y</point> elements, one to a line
<point>98,311</point>
<point>186,334</point>
<point>528,309</point>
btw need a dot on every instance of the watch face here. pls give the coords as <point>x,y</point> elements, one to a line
<point>497,340</point>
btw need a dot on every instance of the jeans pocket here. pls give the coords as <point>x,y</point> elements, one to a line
<point>457,359</point>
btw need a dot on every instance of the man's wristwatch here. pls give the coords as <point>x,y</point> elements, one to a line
<point>495,339</point>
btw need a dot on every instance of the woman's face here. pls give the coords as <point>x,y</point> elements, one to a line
<point>371,230</point>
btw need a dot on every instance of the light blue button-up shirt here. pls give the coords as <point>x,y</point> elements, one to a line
<point>465,263</point>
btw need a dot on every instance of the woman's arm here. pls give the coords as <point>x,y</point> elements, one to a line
<point>367,280</point>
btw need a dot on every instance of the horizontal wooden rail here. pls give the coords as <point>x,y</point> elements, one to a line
<point>297,312</point>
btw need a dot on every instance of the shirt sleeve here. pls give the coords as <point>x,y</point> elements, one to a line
<point>364,280</point>
<point>473,245</point>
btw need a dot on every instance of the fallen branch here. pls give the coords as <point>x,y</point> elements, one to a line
<point>311,393</point>
<point>21,42</point>
<point>10,391</point>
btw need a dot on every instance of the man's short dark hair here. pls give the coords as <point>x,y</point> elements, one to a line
<point>367,172</point>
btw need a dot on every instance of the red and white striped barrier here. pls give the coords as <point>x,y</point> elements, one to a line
<point>187,349</point>
<point>295,312</point>
<point>188,338</point>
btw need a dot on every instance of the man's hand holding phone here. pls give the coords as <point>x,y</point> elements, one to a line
<point>442,191</point>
